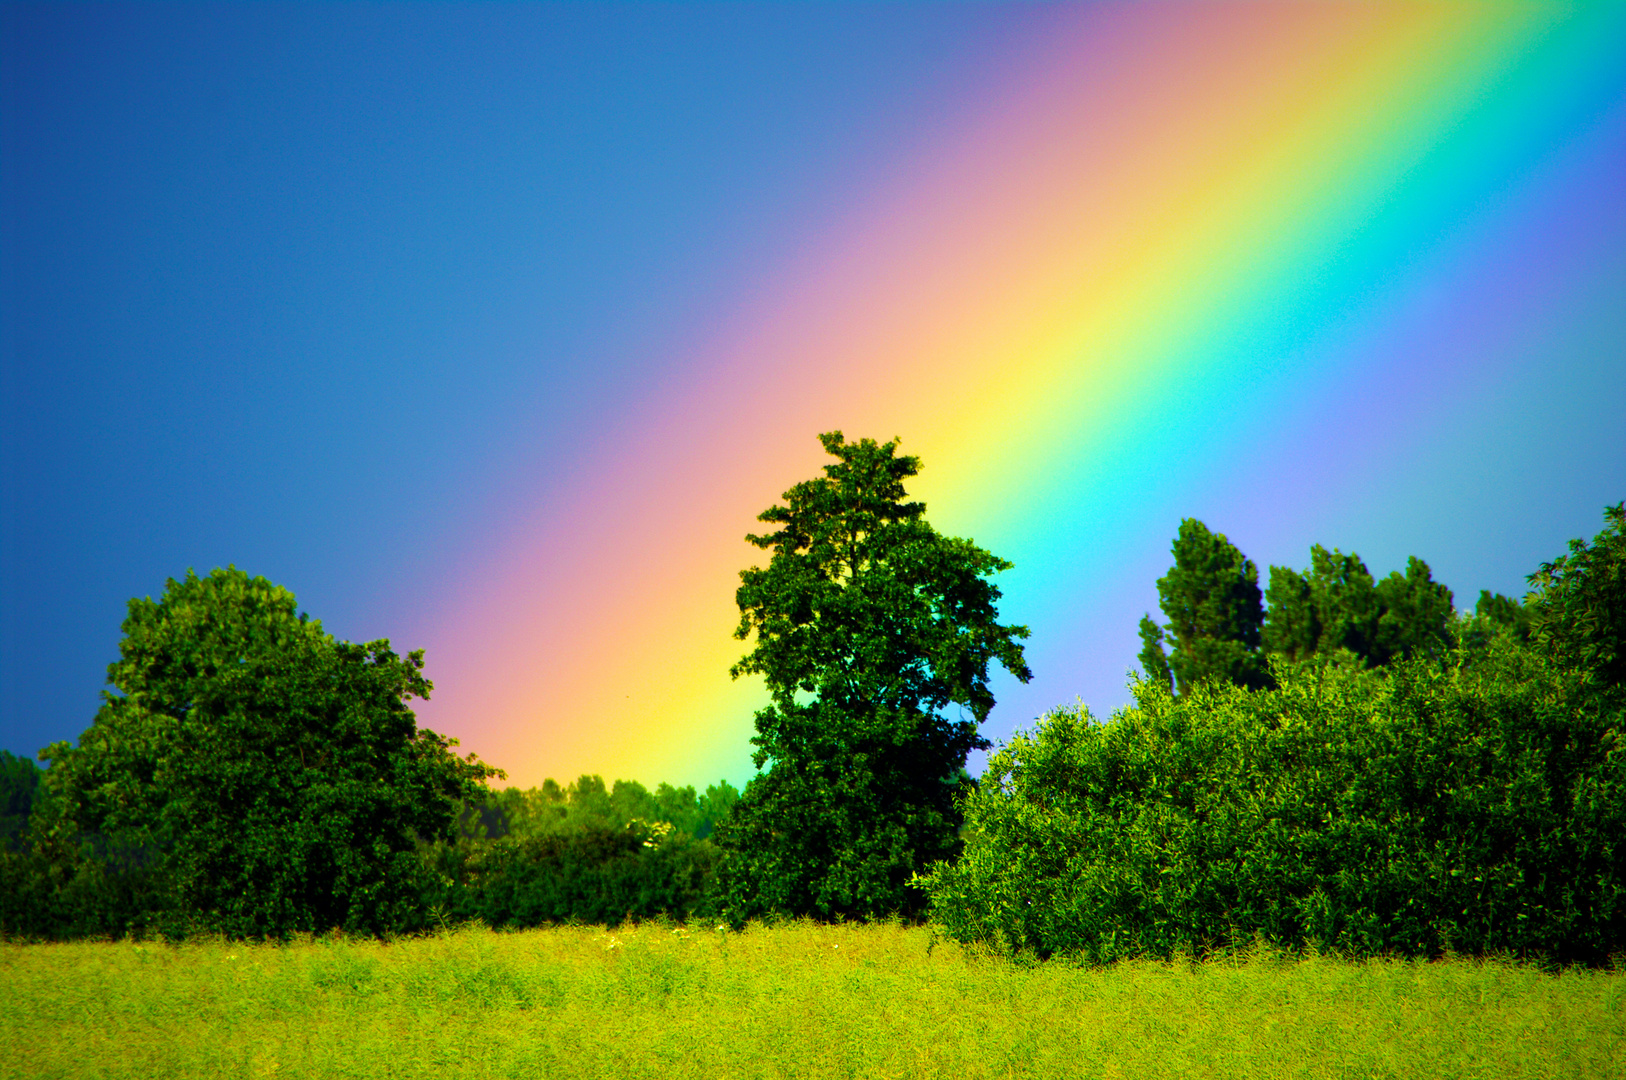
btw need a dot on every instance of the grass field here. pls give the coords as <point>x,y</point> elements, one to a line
<point>791,1001</point>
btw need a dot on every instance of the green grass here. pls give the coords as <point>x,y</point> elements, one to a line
<point>792,1001</point>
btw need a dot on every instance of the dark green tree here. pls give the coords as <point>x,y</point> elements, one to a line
<point>1578,606</point>
<point>1336,605</point>
<point>1506,612</point>
<point>1292,627</point>
<point>1154,662</point>
<point>869,625</point>
<point>1211,599</point>
<point>257,775</point>
<point>19,786</point>
<point>1415,614</point>
<point>1345,599</point>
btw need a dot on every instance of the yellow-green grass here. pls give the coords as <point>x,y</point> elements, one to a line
<point>798,1000</point>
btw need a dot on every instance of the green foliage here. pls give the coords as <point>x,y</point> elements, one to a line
<point>1475,806</point>
<point>1504,612</point>
<point>251,774</point>
<point>1154,662</point>
<point>841,836</point>
<point>1336,605</point>
<point>1293,628</point>
<point>1578,606</point>
<point>26,886</point>
<point>593,873</point>
<point>19,787</point>
<point>868,625</point>
<point>1416,615</point>
<point>1211,599</point>
<point>1344,606</point>
<point>586,853</point>
<point>663,1002</point>
<point>552,809</point>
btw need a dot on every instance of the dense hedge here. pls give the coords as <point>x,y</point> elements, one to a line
<point>522,858</point>
<point>594,874</point>
<point>1475,806</point>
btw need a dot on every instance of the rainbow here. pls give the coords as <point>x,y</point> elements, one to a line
<point>1259,263</point>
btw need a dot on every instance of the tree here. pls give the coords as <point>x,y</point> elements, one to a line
<point>868,624</point>
<point>1211,599</point>
<point>1336,605</point>
<point>1153,660</point>
<point>1292,626</point>
<point>1505,612</point>
<point>1344,598</point>
<point>1577,607</point>
<point>256,774</point>
<point>1415,615</point>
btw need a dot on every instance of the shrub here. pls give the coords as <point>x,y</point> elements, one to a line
<point>1476,806</point>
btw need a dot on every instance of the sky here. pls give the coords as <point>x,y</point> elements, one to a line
<point>489,329</point>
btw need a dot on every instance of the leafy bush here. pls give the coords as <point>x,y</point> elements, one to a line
<point>1477,806</point>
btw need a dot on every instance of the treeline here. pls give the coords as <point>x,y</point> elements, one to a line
<point>1219,628</point>
<point>586,852</point>
<point>1335,760</point>
<point>583,853</point>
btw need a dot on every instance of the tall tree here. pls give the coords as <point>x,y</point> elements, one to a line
<point>1292,626</point>
<point>1346,601</point>
<point>260,775</point>
<point>869,625</point>
<point>1415,615</point>
<point>1212,601</point>
<point>1336,605</point>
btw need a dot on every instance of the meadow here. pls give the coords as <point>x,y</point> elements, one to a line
<point>793,1000</point>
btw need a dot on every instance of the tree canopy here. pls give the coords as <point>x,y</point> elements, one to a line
<point>1336,605</point>
<point>1211,598</point>
<point>254,774</point>
<point>868,625</point>
<point>1219,629</point>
